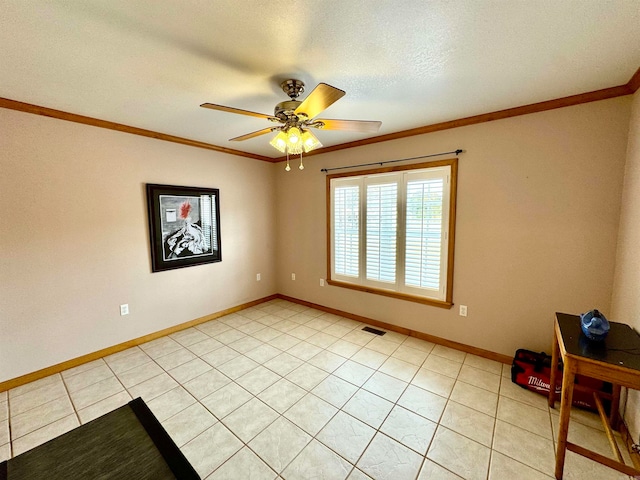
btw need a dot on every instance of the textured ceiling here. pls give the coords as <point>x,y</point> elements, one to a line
<point>150,64</point>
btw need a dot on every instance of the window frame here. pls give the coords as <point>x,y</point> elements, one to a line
<point>369,286</point>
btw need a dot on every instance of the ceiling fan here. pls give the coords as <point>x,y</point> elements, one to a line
<point>297,117</point>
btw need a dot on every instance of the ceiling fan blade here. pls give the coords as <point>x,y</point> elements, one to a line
<point>253,134</point>
<point>320,98</point>
<point>366,126</point>
<point>222,108</point>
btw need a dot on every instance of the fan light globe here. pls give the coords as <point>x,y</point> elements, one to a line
<point>279,142</point>
<point>309,141</point>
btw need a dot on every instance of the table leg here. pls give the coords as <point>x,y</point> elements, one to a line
<point>615,405</point>
<point>555,352</point>
<point>568,378</point>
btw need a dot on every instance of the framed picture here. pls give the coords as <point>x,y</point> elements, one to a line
<point>184,226</point>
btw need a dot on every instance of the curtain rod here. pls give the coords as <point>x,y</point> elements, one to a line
<point>457,152</point>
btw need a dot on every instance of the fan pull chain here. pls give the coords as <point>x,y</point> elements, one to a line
<point>287,168</point>
<point>301,167</point>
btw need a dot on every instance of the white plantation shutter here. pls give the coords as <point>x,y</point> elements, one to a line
<point>381,233</point>
<point>390,230</point>
<point>346,230</point>
<point>423,237</point>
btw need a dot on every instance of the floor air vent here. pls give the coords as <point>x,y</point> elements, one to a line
<point>374,330</point>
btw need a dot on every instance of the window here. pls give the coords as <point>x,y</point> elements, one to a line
<point>391,231</point>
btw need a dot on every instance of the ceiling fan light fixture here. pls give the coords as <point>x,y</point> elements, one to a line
<point>294,140</point>
<point>279,142</point>
<point>309,141</point>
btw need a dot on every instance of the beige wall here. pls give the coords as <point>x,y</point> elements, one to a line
<point>538,213</point>
<point>626,291</point>
<point>74,238</point>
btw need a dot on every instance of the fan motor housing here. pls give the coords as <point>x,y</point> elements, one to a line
<point>284,110</point>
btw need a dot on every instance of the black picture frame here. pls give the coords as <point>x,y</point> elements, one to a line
<point>184,226</point>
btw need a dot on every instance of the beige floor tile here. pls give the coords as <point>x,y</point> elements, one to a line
<point>369,408</point>
<point>205,346</point>
<point>225,400</point>
<point>189,423</point>
<point>459,454</point>
<point>229,336</point>
<point>22,389</point>
<point>246,344</point>
<point>410,429</point>
<point>88,377</point>
<point>266,334</point>
<point>369,358</point>
<point>307,376</point>
<point>450,353</point>
<point>190,370</point>
<point>83,368</point>
<point>434,382</point>
<point>258,379</point>
<point>335,391</point>
<point>433,471</point>
<point>327,361</point>
<point>302,332</point>
<point>4,410</point>
<point>442,365</point>
<point>422,402</point>
<point>220,356</point>
<point>237,367</point>
<point>284,342</point>
<point>154,387</point>
<point>103,406</point>
<point>358,475</point>
<point>189,336</point>
<point>44,434</point>
<point>410,355</point>
<point>213,328</point>
<point>243,465</point>
<point>96,392</point>
<point>250,419</point>
<point>322,340</point>
<point>337,330</point>
<point>419,344</point>
<point>311,413</point>
<point>40,416</point>
<point>4,432</point>
<point>304,351</point>
<point>585,436</point>
<point>483,364</point>
<point>525,416</point>
<point>468,422</point>
<point>317,461</point>
<point>263,353</point>
<point>211,449</point>
<point>358,337</point>
<point>35,398</point>
<point>5,452</point>
<point>480,378</point>
<point>504,467</point>
<point>137,375</point>
<point>386,459</point>
<point>354,373</point>
<point>526,447</point>
<point>475,397</point>
<point>170,403</point>
<point>347,436</point>
<point>177,358</point>
<point>206,384</point>
<point>577,467</point>
<point>137,357</point>
<point>251,327</point>
<point>281,395</point>
<point>400,369</point>
<point>279,443</point>
<point>379,344</point>
<point>344,349</point>
<point>385,386</point>
<point>253,313</point>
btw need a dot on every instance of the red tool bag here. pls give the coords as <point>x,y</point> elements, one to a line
<point>532,370</point>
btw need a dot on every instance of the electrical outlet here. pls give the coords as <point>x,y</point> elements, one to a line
<point>463,310</point>
<point>124,309</point>
<point>322,282</point>
<point>257,277</point>
<point>293,276</point>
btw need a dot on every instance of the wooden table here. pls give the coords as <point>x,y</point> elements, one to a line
<point>614,360</point>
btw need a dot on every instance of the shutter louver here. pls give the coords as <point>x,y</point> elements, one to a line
<point>381,221</point>
<point>424,233</point>
<point>346,234</point>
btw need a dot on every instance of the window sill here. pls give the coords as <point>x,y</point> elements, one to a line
<point>398,295</point>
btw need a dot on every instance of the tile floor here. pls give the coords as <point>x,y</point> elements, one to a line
<point>283,391</point>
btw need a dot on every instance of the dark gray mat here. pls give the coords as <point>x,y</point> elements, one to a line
<point>127,443</point>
